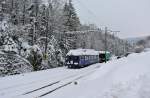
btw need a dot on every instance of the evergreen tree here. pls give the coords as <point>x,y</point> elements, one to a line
<point>71,21</point>
<point>34,20</point>
<point>15,12</point>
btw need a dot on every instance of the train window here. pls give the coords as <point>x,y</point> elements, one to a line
<point>90,57</point>
<point>86,57</point>
<point>80,57</point>
<point>76,58</point>
<point>83,57</point>
<point>68,58</point>
<point>102,55</point>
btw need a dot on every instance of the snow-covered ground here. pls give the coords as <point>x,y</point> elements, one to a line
<point>124,78</point>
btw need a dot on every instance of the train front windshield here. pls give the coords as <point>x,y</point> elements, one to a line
<point>72,58</point>
<point>102,56</point>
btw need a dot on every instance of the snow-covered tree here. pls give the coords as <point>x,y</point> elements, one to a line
<point>35,57</point>
<point>53,58</point>
<point>9,45</point>
<point>71,21</point>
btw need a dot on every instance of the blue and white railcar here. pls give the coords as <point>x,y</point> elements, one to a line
<point>81,57</point>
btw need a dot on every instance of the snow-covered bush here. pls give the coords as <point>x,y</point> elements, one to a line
<point>139,49</point>
<point>11,64</point>
<point>35,57</point>
<point>9,45</point>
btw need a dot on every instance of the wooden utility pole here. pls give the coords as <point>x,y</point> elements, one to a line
<point>24,12</point>
<point>46,41</point>
<point>116,43</point>
<point>105,44</point>
<point>47,15</point>
<point>115,50</point>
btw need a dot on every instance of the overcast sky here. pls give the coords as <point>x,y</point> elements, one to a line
<point>131,17</point>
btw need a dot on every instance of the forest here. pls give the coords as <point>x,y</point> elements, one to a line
<point>40,34</point>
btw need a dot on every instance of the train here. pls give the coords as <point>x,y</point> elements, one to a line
<point>104,56</point>
<point>79,58</point>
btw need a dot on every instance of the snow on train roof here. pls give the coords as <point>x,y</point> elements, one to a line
<point>83,52</point>
<point>103,52</point>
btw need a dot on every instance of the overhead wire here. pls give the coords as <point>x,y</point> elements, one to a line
<point>89,11</point>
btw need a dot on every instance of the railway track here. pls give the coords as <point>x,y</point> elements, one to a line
<point>41,87</point>
<point>75,78</point>
<point>31,90</point>
<point>66,84</point>
<point>52,87</point>
<point>53,83</point>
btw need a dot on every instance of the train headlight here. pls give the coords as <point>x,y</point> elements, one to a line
<point>71,62</point>
<point>75,63</point>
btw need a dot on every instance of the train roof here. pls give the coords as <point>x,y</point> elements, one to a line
<point>102,52</point>
<point>78,52</point>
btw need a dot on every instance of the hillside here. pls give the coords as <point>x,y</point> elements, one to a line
<point>135,39</point>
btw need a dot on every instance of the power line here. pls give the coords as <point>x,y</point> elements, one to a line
<point>88,10</point>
